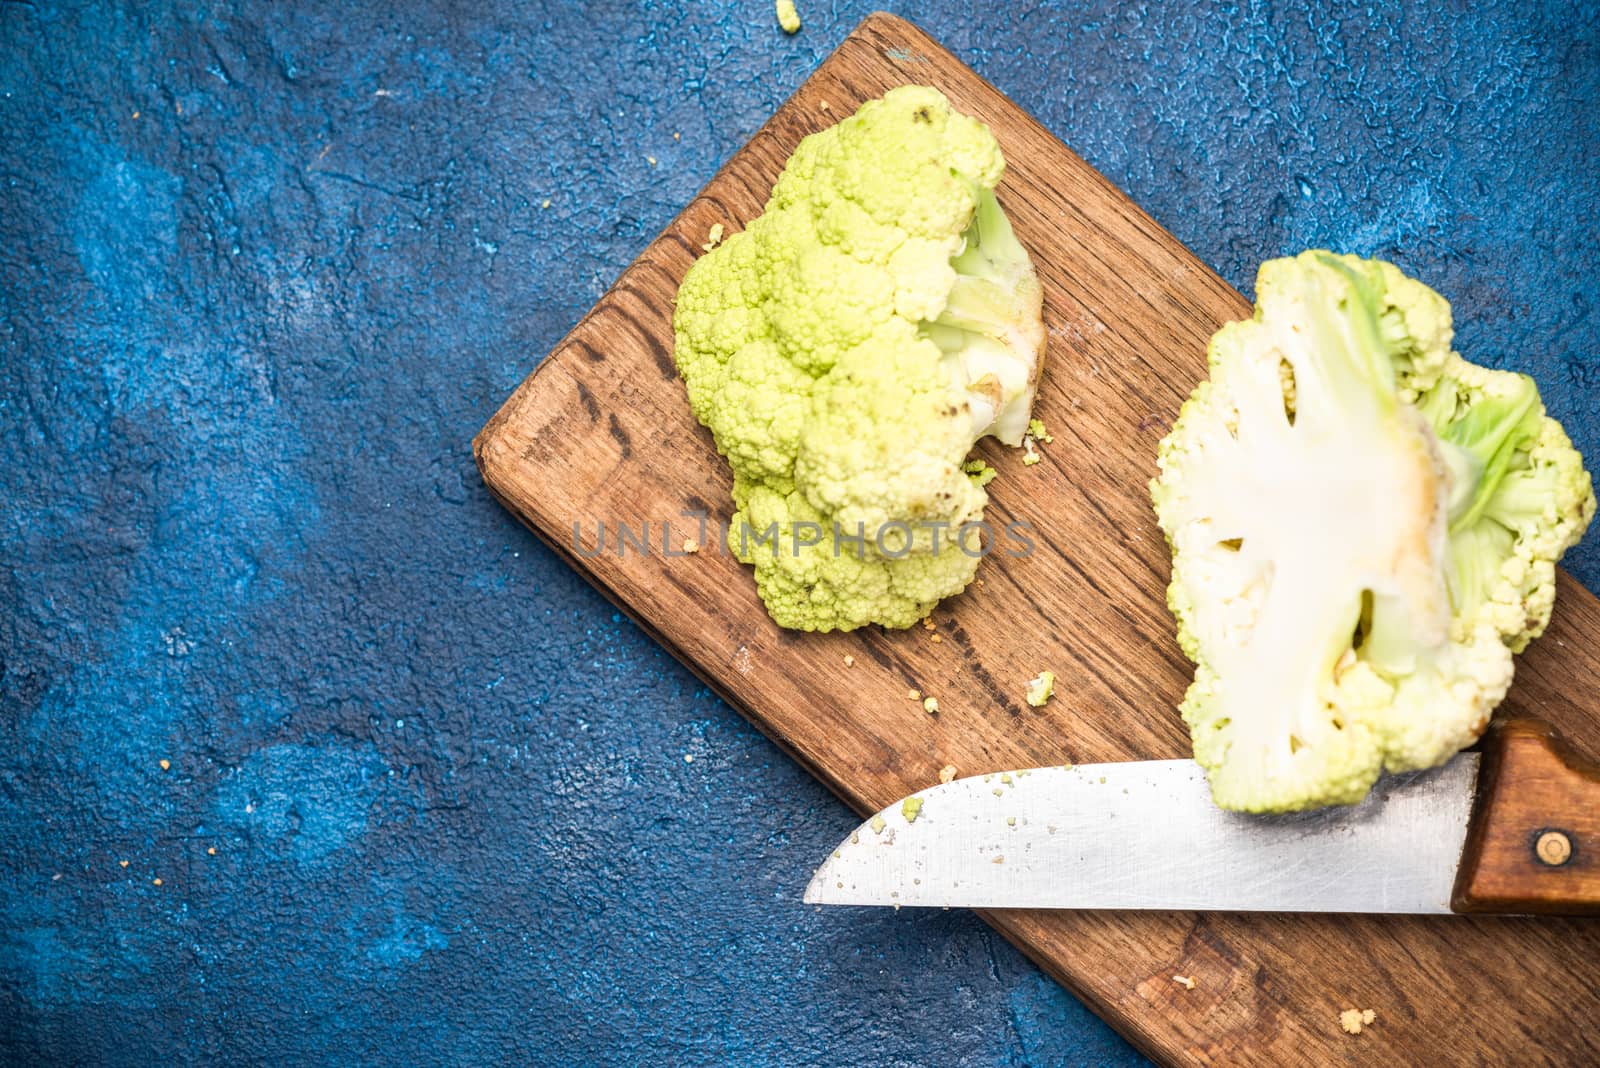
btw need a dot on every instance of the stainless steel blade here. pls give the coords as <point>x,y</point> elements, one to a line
<point>1146,835</point>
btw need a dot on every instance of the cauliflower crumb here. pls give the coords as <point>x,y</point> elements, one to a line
<point>876,823</point>
<point>1011,821</point>
<point>981,473</point>
<point>1040,687</point>
<point>930,705</point>
<point>947,773</point>
<point>998,860</point>
<point>788,17</point>
<point>914,695</point>
<point>544,204</point>
<point>849,661</point>
<point>936,639</point>
<point>166,764</point>
<point>1040,434</point>
<point>911,808</point>
<point>713,238</point>
<point>928,623</point>
<point>1184,981</point>
<point>1352,1020</point>
<point>690,545</point>
<point>652,160</point>
<point>1030,455</point>
<point>824,105</point>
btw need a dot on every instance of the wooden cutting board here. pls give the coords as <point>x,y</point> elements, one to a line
<point>601,430</point>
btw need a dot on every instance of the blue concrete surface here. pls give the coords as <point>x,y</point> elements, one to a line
<point>266,269</point>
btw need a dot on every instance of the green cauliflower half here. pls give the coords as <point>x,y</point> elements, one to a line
<point>849,347</point>
<point>1364,529</point>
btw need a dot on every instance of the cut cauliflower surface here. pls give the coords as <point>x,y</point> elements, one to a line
<point>1364,529</point>
<point>848,348</point>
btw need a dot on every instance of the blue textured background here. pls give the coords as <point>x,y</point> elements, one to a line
<point>265,271</point>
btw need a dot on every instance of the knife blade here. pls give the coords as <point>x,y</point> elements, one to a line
<point>1146,835</point>
<point>1515,829</point>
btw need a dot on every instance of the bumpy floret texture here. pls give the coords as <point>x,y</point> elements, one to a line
<point>846,350</point>
<point>1364,529</point>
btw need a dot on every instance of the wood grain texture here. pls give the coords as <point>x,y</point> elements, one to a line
<point>1534,842</point>
<point>602,430</point>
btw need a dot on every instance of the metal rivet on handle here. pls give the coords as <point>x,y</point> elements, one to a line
<point>1553,848</point>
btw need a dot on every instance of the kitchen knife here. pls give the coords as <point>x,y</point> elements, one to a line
<point>1515,829</point>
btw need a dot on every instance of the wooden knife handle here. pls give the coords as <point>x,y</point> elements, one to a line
<point>1534,841</point>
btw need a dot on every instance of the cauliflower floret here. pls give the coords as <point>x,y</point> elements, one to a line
<point>1364,529</point>
<point>848,348</point>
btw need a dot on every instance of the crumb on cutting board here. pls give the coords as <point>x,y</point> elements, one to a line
<point>1040,687</point>
<point>1185,981</point>
<point>947,773</point>
<point>849,661</point>
<point>930,705</point>
<point>1353,1020</point>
